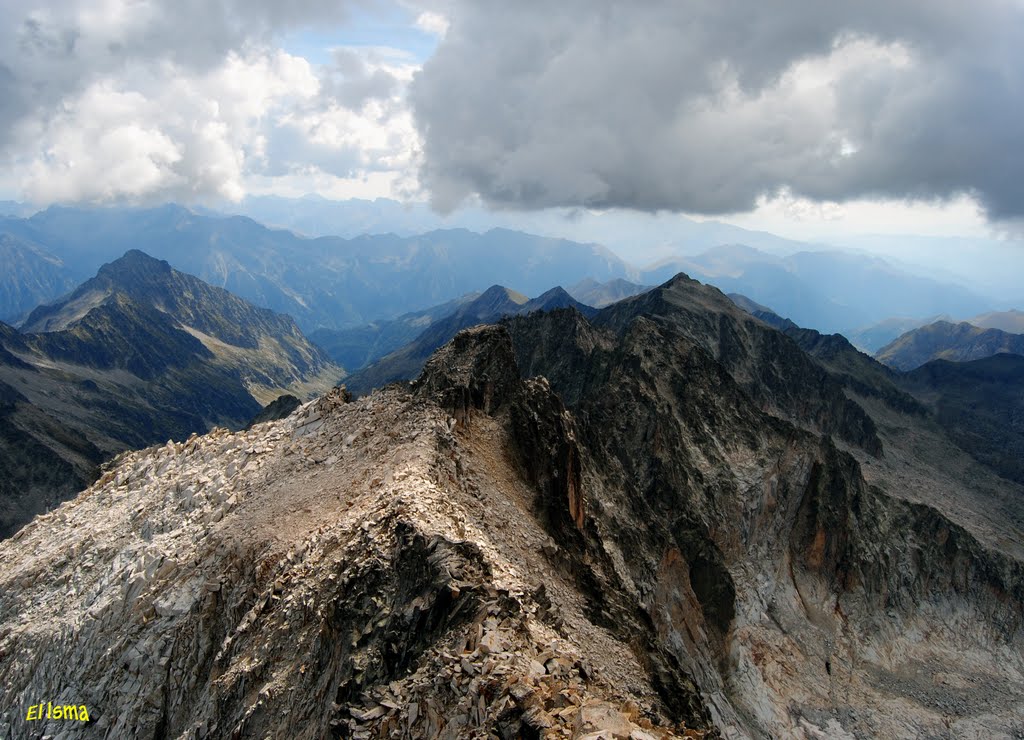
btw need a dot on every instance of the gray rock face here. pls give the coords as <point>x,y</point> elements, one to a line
<point>650,541</point>
<point>804,597</point>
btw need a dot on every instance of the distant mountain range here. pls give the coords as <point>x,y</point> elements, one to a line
<point>137,355</point>
<point>944,340</point>
<point>346,283</point>
<point>358,347</point>
<point>593,293</point>
<point>872,338</point>
<point>637,237</point>
<point>493,304</point>
<point>325,282</point>
<point>831,291</point>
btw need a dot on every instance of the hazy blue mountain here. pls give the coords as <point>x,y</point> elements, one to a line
<point>324,282</point>
<point>30,276</point>
<point>493,304</point>
<point>872,338</point>
<point>943,340</point>
<point>831,291</point>
<point>313,215</point>
<point>590,292</point>
<point>1011,321</point>
<point>357,347</point>
<point>638,237</point>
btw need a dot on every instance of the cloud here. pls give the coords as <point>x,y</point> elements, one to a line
<point>711,106</point>
<point>142,100</point>
<point>433,23</point>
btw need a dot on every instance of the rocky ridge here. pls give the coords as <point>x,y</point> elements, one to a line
<point>655,539</point>
<point>809,582</point>
<point>357,569</point>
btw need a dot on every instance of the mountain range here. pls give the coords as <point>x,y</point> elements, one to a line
<point>138,354</point>
<point>493,304</point>
<point>831,291</point>
<point>667,518</point>
<point>324,282</point>
<point>944,340</point>
<point>873,337</point>
<point>347,283</point>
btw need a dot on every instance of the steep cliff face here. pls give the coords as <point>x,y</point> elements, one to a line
<point>805,599</point>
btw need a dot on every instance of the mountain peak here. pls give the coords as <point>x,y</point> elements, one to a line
<point>497,292</point>
<point>135,264</point>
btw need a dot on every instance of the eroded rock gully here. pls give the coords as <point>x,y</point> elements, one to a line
<point>469,558</point>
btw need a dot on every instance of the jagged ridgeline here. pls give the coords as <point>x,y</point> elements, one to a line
<point>666,520</point>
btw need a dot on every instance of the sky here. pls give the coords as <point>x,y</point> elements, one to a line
<point>812,120</point>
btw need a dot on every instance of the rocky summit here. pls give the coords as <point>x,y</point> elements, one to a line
<point>664,521</point>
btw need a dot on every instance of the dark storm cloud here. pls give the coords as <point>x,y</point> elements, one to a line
<point>704,106</point>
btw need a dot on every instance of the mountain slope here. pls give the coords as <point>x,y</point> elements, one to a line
<point>494,303</point>
<point>137,355</point>
<point>980,404</point>
<point>266,349</point>
<point>771,368</point>
<point>943,340</point>
<point>356,348</point>
<point>31,276</point>
<point>414,574</point>
<point>786,572</point>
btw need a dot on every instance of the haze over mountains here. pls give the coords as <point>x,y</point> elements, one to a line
<point>325,282</point>
<point>338,283</point>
